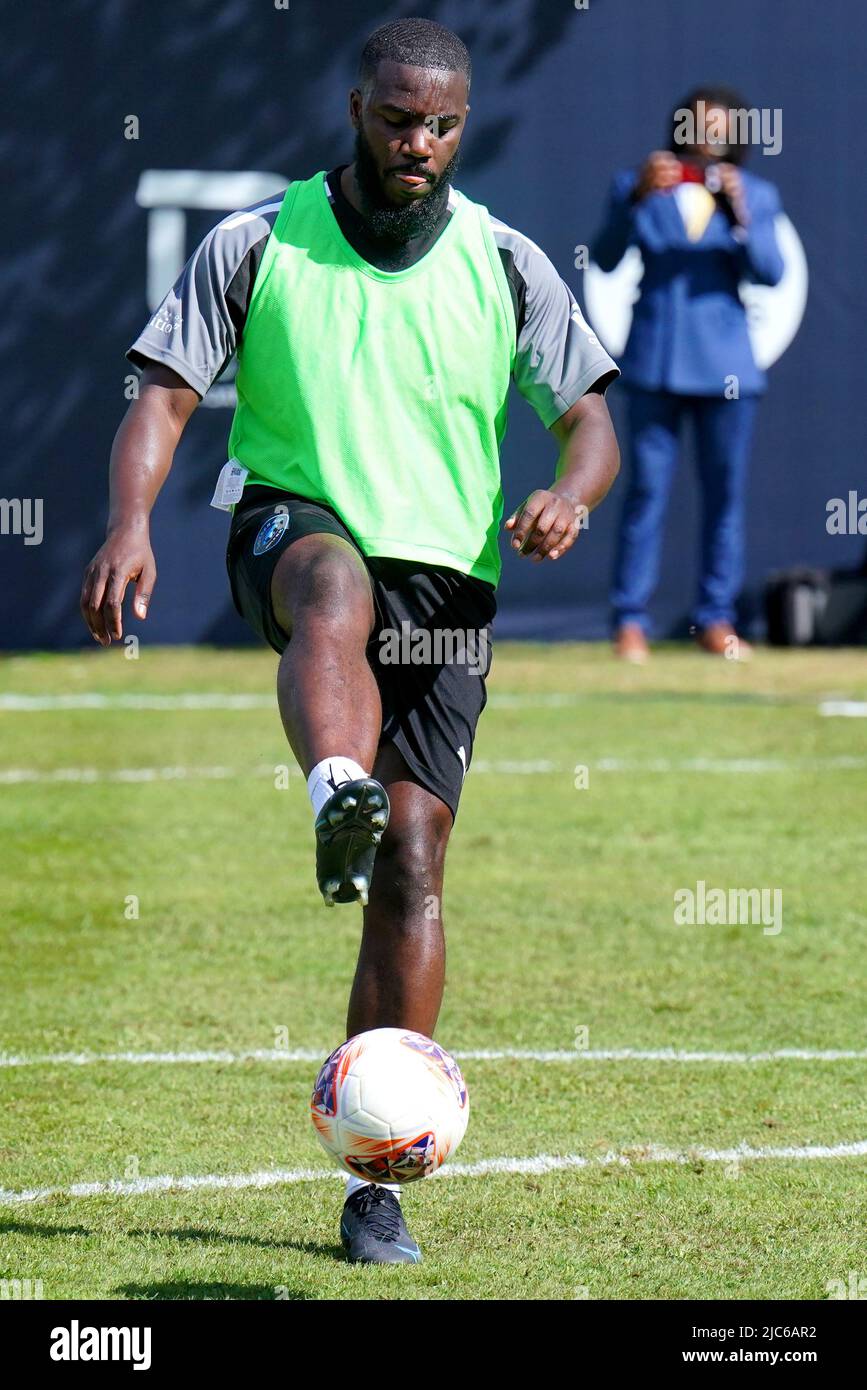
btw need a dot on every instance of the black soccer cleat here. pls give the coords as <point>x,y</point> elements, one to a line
<point>373,1230</point>
<point>348,830</point>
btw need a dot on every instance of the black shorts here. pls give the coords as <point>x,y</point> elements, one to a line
<point>430,649</point>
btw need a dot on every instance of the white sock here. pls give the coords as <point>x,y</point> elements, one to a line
<point>327,776</point>
<point>355,1185</point>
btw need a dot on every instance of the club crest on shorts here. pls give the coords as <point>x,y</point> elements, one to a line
<point>270,532</point>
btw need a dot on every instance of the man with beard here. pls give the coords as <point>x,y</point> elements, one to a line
<point>378,316</point>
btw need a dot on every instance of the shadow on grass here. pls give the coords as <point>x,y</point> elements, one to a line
<point>192,1234</point>
<point>32,1228</point>
<point>182,1291</point>
<point>306,1247</point>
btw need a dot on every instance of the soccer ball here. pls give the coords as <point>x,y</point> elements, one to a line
<point>390,1105</point>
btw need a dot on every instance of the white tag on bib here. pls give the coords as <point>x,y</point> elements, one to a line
<point>230,485</point>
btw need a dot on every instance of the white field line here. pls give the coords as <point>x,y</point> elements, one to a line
<point>13,703</point>
<point>537,1164</point>
<point>189,700</point>
<point>844,709</point>
<point>839,763</point>
<point>13,776</point>
<point>505,1054</point>
<point>85,776</point>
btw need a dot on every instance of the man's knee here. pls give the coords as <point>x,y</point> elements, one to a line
<point>409,862</point>
<point>321,582</point>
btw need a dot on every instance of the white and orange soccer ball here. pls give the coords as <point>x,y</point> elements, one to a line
<point>390,1105</point>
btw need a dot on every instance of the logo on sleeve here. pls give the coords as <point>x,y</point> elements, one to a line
<point>577,317</point>
<point>270,532</point>
<point>166,322</point>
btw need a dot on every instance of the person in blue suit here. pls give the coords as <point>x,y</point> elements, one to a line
<point>702,225</point>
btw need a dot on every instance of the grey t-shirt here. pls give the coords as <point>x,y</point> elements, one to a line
<point>200,323</point>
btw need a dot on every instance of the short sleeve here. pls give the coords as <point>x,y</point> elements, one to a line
<point>196,328</point>
<point>558,358</point>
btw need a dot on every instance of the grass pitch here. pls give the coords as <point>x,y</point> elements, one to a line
<point>175,910</point>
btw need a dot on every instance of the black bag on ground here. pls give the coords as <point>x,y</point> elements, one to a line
<point>812,607</point>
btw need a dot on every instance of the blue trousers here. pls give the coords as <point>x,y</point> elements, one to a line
<point>723,438</point>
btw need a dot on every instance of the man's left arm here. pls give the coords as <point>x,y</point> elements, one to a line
<point>563,370</point>
<point>548,523</point>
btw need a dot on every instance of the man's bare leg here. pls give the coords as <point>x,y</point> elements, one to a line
<point>330,705</point>
<point>400,974</point>
<point>327,693</point>
<point>401,965</point>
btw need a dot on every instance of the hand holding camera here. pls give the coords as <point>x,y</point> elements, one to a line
<point>662,171</point>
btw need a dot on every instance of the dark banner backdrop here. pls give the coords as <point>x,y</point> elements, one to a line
<point>561,97</point>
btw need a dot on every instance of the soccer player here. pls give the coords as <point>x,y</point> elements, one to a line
<point>378,316</point>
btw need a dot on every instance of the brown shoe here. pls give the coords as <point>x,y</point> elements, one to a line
<point>720,639</point>
<point>630,643</point>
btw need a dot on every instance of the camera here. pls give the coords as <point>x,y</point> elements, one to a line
<point>696,171</point>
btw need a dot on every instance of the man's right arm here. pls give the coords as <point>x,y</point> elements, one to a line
<point>186,345</point>
<point>141,457</point>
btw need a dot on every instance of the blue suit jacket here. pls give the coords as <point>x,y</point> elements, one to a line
<point>689,328</point>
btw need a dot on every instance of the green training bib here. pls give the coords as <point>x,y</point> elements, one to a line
<point>383,394</point>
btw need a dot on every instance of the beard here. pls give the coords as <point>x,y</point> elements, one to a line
<point>390,221</point>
